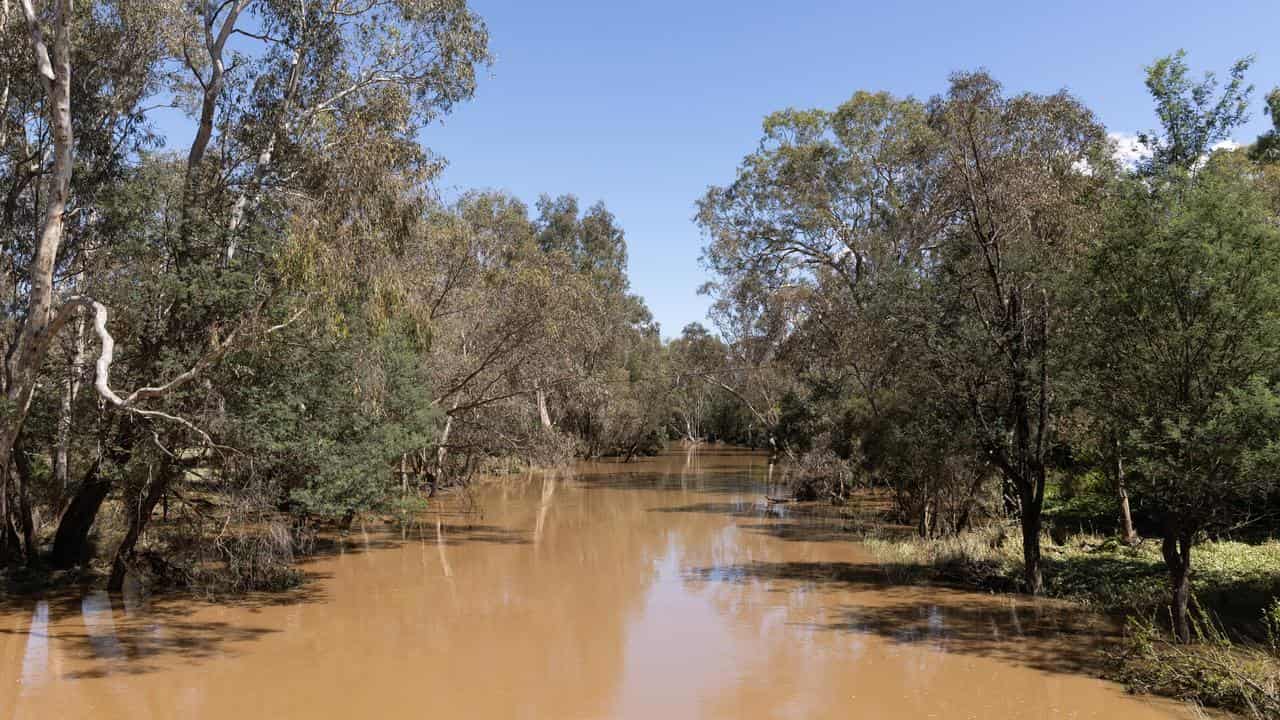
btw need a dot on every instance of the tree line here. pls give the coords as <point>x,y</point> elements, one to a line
<point>971,301</point>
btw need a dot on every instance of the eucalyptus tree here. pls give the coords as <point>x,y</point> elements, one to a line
<point>290,99</point>
<point>826,193</point>
<point>494,299</point>
<point>894,247</point>
<point>599,326</point>
<point>75,77</point>
<point>322,103</point>
<point>810,234</point>
<point>694,357</point>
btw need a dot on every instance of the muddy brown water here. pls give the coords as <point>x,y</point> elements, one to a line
<point>659,589</point>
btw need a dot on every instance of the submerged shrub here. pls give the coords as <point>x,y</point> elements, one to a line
<point>1213,671</point>
<point>820,474</point>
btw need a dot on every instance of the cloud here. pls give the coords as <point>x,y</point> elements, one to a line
<point>1128,150</point>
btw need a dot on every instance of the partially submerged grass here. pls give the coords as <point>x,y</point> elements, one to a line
<point>974,559</point>
<point>1212,672</point>
<point>1235,663</point>
<point>1234,581</point>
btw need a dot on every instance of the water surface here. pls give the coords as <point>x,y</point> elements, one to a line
<point>658,589</point>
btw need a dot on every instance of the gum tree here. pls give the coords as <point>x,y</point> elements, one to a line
<point>1014,176</point>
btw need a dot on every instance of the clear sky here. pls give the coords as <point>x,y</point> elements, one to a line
<point>644,104</point>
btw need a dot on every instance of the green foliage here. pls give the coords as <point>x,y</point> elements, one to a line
<point>1267,147</point>
<point>1193,115</point>
<point>1184,290</point>
<point>1093,511</point>
<point>332,446</point>
<point>1271,622</point>
<point>1235,582</point>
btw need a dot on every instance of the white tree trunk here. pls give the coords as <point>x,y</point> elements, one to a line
<point>442,450</point>
<point>543,415</point>
<point>26,358</point>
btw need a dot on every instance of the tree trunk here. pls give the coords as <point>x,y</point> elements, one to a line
<point>543,415</point>
<point>1176,549</point>
<point>1128,534</point>
<point>26,521</point>
<point>1031,524</point>
<point>1009,495</point>
<point>71,541</point>
<point>9,542</point>
<point>8,536</point>
<point>138,520</point>
<point>28,354</point>
<point>925,522</point>
<point>442,450</point>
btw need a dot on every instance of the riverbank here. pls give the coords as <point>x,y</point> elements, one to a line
<point>1235,665</point>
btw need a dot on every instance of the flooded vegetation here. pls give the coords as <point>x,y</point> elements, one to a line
<point>659,588</point>
<point>1005,379</point>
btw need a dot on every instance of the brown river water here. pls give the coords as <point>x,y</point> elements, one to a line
<point>660,589</point>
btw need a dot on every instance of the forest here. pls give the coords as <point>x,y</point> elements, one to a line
<point>1051,361</point>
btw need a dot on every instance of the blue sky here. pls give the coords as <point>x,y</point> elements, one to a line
<point>644,104</point>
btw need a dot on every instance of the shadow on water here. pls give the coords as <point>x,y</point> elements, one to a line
<point>733,508</point>
<point>1055,640</point>
<point>1046,636</point>
<point>806,531</point>
<point>725,483</point>
<point>103,635</point>
<point>133,634</point>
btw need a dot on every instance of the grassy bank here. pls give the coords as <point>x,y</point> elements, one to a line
<point>1235,665</point>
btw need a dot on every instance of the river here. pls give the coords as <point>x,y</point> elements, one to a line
<point>657,590</point>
